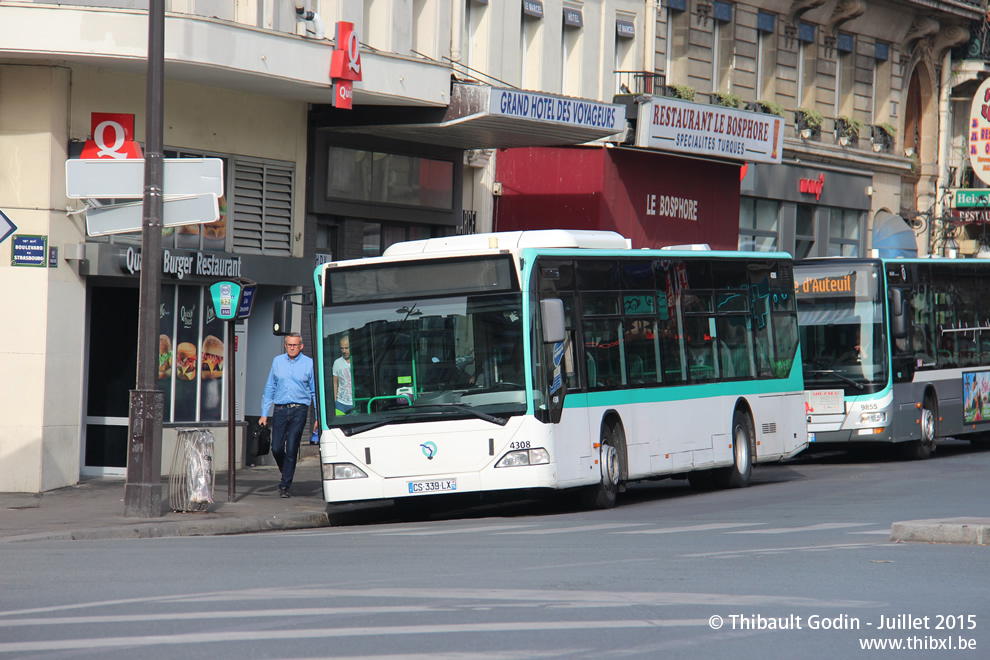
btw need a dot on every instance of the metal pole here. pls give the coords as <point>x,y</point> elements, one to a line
<point>231,381</point>
<point>143,490</point>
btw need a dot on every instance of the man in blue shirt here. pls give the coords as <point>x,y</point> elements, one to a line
<point>291,387</point>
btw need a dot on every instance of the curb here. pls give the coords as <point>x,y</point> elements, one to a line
<point>958,531</point>
<point>201,528</point>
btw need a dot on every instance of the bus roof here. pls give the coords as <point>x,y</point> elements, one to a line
<point>513,240</point>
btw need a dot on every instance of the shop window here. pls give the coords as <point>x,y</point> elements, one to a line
<point>371,243</point>
<point>843,233</point>
<point>804,231</point>
<point>759,221</point>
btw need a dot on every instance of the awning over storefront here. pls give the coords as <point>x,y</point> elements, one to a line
<point>484,117</point>
<point>893,237</point>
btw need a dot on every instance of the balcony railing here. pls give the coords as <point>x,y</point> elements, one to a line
<point>642,82</point>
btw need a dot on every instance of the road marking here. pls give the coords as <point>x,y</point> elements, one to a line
<point>878,532</point>
<point>455,530</point>
<point>581,528</point>
<point>799,548</point>
<point>318,633</point>
<point>807,528</point>
<point>707,527</point>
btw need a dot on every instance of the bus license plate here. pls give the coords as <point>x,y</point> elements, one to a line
<point>435,486</point>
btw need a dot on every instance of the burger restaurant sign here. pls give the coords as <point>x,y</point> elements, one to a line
<point>179,264</point>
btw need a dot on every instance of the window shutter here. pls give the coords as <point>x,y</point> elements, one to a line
<point>262,207</point>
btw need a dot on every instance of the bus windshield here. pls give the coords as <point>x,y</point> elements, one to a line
<point>424,358</point>
<point>840,316</point>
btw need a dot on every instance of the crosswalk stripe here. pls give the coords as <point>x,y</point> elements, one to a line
<point>706,527</point>
<point>807,528</point>
<point>582,528</point>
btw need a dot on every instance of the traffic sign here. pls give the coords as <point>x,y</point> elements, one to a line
<point>124,178</point>
<point>123,218</point>
<point>6,227</point>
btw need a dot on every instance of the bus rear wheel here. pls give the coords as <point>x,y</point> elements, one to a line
<point>603,494</point>
<point>738,474</point>
<point>923,448</point>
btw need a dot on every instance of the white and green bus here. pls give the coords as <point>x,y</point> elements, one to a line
<point>895,350</point>
<point>555,360</point>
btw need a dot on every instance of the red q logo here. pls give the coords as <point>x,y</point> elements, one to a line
<point>345,64</point>
<point>113,137</point>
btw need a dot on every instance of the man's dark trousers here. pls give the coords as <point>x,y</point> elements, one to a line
<point>288,427</point>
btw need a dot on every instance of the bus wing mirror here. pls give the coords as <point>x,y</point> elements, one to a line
<point>898,315</point>
<point>552,315</point>
<point>282,317</point>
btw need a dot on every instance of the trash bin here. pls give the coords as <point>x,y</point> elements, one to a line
<point>191,480</point>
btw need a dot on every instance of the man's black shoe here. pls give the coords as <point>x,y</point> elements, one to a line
<point>283,492</point>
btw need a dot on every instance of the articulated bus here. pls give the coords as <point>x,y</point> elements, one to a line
<point>555,360</point>
<point>895,350</point>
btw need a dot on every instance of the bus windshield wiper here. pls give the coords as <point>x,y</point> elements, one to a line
<point>361,428</point>
<point>460,407</point>
<point>855,383</point>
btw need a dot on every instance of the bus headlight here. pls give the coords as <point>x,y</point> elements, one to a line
<point>343,471</point>
<point>873,418</point>
<point>537,456</point>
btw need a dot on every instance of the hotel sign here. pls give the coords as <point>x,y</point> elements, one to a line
<point>557,109</point>
<point>697,128</point>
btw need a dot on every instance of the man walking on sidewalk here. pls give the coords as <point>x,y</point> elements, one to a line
<point>291,387</point>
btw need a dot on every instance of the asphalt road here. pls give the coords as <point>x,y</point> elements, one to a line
<point>797,566</point>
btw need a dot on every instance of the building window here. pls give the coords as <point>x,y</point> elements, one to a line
<point>678,43</point>
<point>722,43</point>
<point>531,33</point>
<point>843,233</point>
<point>759,221</point>
<point>383,178</point>
<point>570,51</point>
<point>804,231</point>
<point>845,75</point>
<point>807,65</point>
<point>882,84</point>
<point>766,57</point>
<point>625,40</point>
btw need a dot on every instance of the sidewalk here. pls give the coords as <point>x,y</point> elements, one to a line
<point>94,509</point>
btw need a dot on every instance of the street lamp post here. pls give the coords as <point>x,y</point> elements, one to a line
<point>143,491</point>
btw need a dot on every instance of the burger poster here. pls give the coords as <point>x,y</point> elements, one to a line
<point>185,362</point>
<point>166,354</point>
<point>190,355</point>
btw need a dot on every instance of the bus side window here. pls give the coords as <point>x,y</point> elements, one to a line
<point>602,349</point>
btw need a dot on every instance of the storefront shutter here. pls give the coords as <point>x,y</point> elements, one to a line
<point>262,207</point>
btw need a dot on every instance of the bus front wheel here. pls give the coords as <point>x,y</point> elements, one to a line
<point>603,494</point>
<point>923,448</point>
<point>738,474</point>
